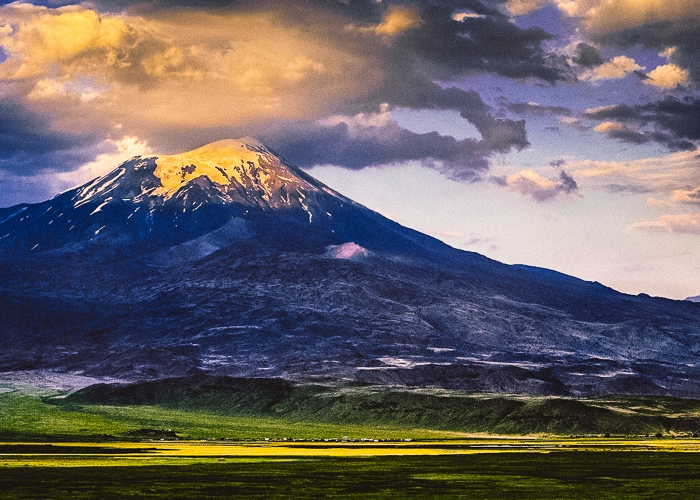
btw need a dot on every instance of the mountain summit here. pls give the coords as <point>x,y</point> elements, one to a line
<point>240,171</point>
<point>229,260</point>
<point>239,188</point>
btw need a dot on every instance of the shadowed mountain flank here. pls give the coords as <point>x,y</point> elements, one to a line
<point>228,260</point>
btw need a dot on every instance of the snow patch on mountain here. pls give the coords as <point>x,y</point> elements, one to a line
<point>348,250</point>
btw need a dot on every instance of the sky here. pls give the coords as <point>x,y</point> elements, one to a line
<point>556,133</point>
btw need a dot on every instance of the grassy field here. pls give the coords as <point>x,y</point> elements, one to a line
<point>205,470</point>
<point>239,409</point>
<point>63,448</point>
<point>24,417</point>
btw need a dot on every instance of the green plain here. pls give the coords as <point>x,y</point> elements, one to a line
<point>504,475</point>
<point>121,463</point>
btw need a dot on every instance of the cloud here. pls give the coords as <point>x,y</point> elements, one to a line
<point>536,109</point>
<point>675,224</point>
<point>498,135</point>
<point>28,143</point>
<point>658,203</point>
<point>609,16</point>
<point>61,171</point>
<point>530,183</point>
<point>374,140</point>
<point>488,42</point>
<point>396,20</point>
<point>675,123</point>
<point>673,179</point>
<point>629,189</point>
<point>519,7</point>
<point>686,196</point>
<point>22,130</point>
<point>617,67</point>
<point>656,24</point>
<point>163,70</point>
<point>617,130</point>
<point>668,76</point>
<point>121,150</point>
<point>35,38</point>
<point>588,56</point>
<point>616,111</point>
<point>671,28</point>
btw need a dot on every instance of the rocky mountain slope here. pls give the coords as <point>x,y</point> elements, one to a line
<point>228,260</point>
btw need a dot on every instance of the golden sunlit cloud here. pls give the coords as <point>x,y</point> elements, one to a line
<point>668,76</point>
<point>519,7</point>
<point>36,39</point>
<point>607,16</point>
<point>396,20</point>
<point>182,68</point>
<point>609,126</point>
<point>617,67</point>
<point>686,196</point>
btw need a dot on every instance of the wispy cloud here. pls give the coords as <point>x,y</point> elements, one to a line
<point>676,224</point>
<point>530,183</point>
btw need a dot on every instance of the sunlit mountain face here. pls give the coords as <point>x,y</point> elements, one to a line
<point>229,260</point>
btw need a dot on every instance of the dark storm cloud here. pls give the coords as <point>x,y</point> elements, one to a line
<point>619,112</point>
<point>499,135</point>
<point>28,144</point>
<point>342,144</point>
<point>675,122</point>
<point>567,183</point>
<point>356,8</point>
<point>630,135</point>
<point>626,134</point>
<point>529,108</point>
<point>45,3</point>
<point>445,46</point>
<point>488,41</point>
<point>313,144</point>
<point>588,56</point>
<point>679,117</point>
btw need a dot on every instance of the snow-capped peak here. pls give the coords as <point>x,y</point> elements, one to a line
<point>228,171</point>
<point>243,162</point>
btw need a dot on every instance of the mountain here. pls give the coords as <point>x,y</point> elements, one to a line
<point>225,192</point>
<point>694,299</point>
<point>227,260</point>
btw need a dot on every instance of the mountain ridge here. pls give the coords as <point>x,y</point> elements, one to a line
<point>250,279</point>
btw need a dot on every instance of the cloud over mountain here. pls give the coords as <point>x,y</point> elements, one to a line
<point>230,65</point>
